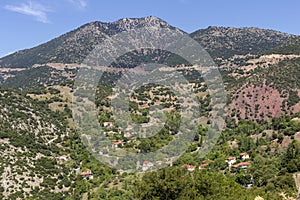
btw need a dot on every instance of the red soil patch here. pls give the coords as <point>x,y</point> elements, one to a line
<point>296,108</point>
<point>256,102</point>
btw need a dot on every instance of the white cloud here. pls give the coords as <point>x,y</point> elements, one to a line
<point>82,4</point>
<point>32,9</point>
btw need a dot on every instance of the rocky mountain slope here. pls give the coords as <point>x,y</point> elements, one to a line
<point>225,42</point>
<point>75,45</point>
<point>31,136</point>
<point>42,157</point>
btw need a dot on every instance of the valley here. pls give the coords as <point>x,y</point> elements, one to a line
<point>256,155</point>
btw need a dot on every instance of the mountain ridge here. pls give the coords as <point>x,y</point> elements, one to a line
<point>225,42</point>
<point>74,46</point>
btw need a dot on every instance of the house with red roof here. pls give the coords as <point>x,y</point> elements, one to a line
<point>87,174</point>
<point>242,165</point>
<point>231,160</point>
<point>147,165</point>
<point>202,166</point>
<point>189,167</point>
<point>117,143</point>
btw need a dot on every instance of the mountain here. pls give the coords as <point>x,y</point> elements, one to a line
<point>225,42</point>
<point>56,61</point>
<point>75,45</point>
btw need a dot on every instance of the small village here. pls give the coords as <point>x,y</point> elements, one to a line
<point>123,137</point>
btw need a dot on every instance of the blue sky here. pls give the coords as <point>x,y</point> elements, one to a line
<point>27,23</point>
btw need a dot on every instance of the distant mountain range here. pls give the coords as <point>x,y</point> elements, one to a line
<point>75,45</point>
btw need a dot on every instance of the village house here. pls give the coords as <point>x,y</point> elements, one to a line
<point>147,165</point>
<point>202,166</point>
<point>63,157</point>
<point>242,165</point>
<point>244,156</point>
<point>190,168</point>
<point>77,170</point>
<point>87,174</point>
<point>231,160</point>
<point>108,124</point>
<point>117,143</point>
<point>127,134</point>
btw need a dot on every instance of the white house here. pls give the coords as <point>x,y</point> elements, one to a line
<point>231,160</point>
<point>63,157</point>
<point>108,124</point>
<point>127,134</point>
<point>147,165</point>
<point>244,156</point>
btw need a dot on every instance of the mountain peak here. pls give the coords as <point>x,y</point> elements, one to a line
<point>132,23</point>
<point>73,46</point>
<point>146,19</point>
<point>124,24</point>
